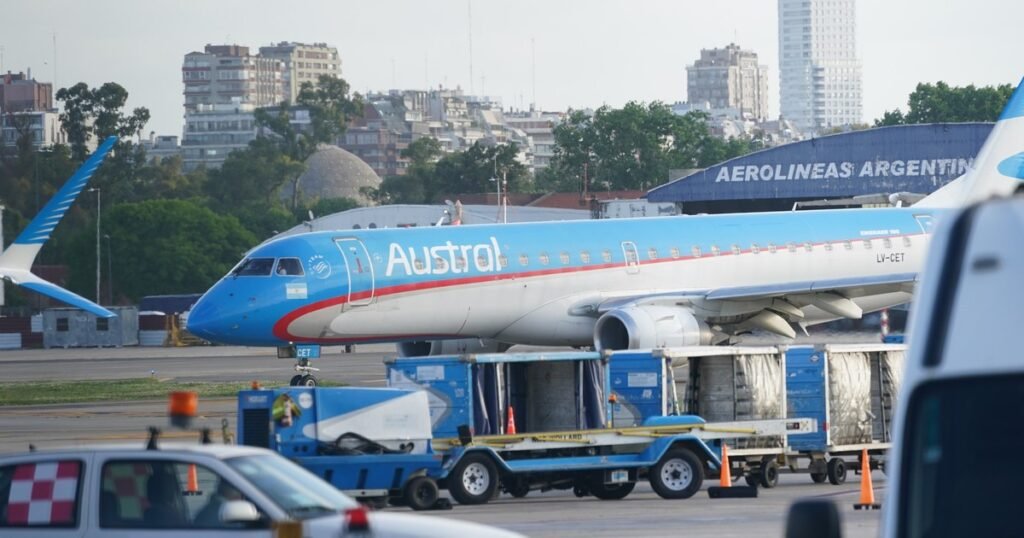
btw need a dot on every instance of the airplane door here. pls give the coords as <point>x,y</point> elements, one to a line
<point>359,270</point>
<point>632,257</point>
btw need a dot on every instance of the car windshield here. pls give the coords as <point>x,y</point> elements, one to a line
<point>254,267</point>
<point>297,491</point>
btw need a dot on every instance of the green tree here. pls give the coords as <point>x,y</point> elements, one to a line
<point>99,112</point>
<point>942,103</point>
<point>160,246</point>
<point>329,107</point>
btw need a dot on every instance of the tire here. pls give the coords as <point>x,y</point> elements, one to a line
<point>296,379</point>
<point>769,472</point>
<point>517,488</point>
<point>752,479</point>
<point>473,480</point>
<point>609,492</point>
<point>677,475</point>
<point>836,471</point>
<point>819,478</point>
<point>308,381</point>
<point>420,493</point>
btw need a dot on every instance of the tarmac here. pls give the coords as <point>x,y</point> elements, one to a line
<point>554,513</point>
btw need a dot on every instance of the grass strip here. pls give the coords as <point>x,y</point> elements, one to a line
<point>57,392</point>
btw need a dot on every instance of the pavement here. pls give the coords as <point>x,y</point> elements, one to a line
<point>554,513</point>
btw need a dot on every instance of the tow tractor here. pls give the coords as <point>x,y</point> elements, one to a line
<point>377,445</point>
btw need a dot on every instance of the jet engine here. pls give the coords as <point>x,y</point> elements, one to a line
<point>646,327</point>
<point>424,348</point>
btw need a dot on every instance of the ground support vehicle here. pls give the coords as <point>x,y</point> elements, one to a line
<point>377,443</point>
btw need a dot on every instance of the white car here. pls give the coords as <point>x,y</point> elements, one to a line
<point>201,490</point>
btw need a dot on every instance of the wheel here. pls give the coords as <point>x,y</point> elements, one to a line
<point>819,478</point>
<point>677,475</point>
<point>769,472</point>
<point>609,492</point>
<point>473,480</point>
<point>420,493</point>
<point>296,379</point>
<point>836,471</point>
<point>752,479</point>
<point>308,381</point>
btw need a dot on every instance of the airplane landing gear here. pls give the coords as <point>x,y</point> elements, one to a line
<point>305,376</point>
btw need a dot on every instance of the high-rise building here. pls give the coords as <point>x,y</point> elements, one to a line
<point>303,63</point>
<point>729,78</point>
<point>820,75</point>
<point>229,75</point>
<point>26,109</point>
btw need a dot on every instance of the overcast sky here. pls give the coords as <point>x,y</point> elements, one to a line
<point>587,52</point>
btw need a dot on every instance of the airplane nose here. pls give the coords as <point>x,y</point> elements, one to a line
<point>206,320</point>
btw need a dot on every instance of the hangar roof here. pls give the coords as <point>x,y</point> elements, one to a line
<point>901,158</point>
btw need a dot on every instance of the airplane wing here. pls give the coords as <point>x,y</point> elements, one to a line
<point>772,306</point>
<point>36,284</point>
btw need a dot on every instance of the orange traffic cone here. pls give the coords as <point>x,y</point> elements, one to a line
<point>725,477</point>
<point>510,428</point>
<point>193,481</point>
<point>867,492</point>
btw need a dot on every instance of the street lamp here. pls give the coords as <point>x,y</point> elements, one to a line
<point>110,272</point>
<point>98,214</point>
<point>2,207</point>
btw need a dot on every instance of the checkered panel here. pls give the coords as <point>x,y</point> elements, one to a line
<point>43,494</point>
<point>127,481</point>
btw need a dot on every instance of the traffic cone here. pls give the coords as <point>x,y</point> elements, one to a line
<point>193,481</point>
<point>725,489</point>
<point>867,491</point>
<point>510,428</point>
<point>725,477</point>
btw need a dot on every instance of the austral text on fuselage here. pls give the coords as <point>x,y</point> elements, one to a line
<point>443,259</point>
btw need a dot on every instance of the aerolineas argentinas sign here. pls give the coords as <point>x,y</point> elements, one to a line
<point>444,259</point>
<point>845,170</point>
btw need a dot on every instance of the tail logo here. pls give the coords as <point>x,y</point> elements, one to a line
<point>1012,166</point>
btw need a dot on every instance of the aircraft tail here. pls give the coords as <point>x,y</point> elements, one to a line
<point>16,261</point>
<point>998,170</point>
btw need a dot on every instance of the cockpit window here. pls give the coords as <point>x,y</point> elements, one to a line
<point>255,267</point>
<point>289,267</point>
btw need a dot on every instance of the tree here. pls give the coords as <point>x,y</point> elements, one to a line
<point>633,147</point>
<point>329,107</point>
<point>97,111</point>
<point>164,246</point>
<point>941,103</point>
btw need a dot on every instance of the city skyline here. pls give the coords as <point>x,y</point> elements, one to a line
<point>586,54</point>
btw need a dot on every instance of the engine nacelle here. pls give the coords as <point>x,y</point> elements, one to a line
<point>647,327</point>
<point>425,348</point>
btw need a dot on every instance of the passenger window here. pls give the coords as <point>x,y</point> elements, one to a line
<point>564,258</point>
<point>606,255</point>
<point>524,260</point>
<point>867,244</point>
<point>887,243</point>
<point>848,245</point>
<point>675,252</point>
<point>828,247</point>
<point>503,261</point>
<point>41,494</point>
<point>791,247</point>
<point>419,264</point>
<point>483,261</point>
<point>906,241</point>
<point>808,246</point>
<point>255,267</point>
<point>140,494</point>
<point>440,265</point>
<point>695,251</point>
<point>544,259</point>
<point>736,250</point>
<point>714,250</point>
<point>755,249</point>
<point>460,263</point>
<point>771,248</point>
<point>293,267</point>
<point>585,256</point>
<point>652,253</point>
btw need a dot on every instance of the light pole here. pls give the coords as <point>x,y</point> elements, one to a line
<point>110,272</point>
<point>2,207</point>
<point>98,260</point>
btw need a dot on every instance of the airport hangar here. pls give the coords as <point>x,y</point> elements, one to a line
<point>850,169</point>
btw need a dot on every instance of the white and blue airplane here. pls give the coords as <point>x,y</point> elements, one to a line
<point>610,284</point>
<point>17,259</point>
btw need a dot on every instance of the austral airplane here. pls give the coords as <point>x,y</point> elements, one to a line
<point>610,284</point>
<point>16,261</point>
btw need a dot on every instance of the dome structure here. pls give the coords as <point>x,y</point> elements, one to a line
<point>332,172</point>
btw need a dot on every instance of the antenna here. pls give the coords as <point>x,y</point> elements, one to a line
<point>393,83</point>
<point>469,7</point>
<point>533,68</point>
<point>55,60</point>
<point>426,72</point>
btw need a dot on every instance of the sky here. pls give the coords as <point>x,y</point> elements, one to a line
<point>566,53</point>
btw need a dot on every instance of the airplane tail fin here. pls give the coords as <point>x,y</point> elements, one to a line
<point>998,170</point>
<point>16,261</point>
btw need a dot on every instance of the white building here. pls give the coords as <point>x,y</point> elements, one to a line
<point>729,77</point>
<point>303,63</point>
<point>820,75</point>
<point>214,131</point>
<point>43,126</point>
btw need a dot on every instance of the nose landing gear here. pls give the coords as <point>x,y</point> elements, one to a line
<point>302,353</point>
<point>305,376</point>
